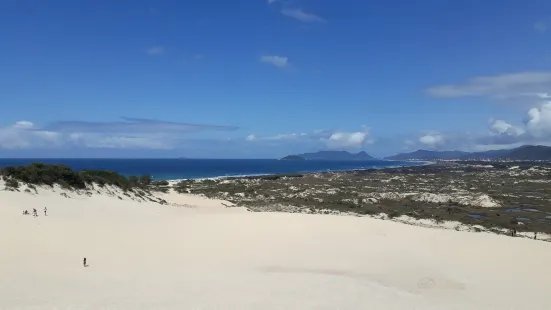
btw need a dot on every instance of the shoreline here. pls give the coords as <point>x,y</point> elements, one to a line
<point>254,175</point>
<point>83,164</point>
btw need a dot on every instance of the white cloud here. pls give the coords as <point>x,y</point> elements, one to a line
<point>348,140</point>
<point>538,95</point>
<point>321,138</point>
<point>431,140</point>
<point>302,16</point>
<point>501,127</point>
<point>445,141</point>
<point>535,129</point>
<point>20,135</point>
<point>538,121</point>
<point>130,133</point>
<point>156,50</point>
<point>278,137</point>
<point>23,125</point>
<point>289,136</point>
<point>132,125</point>
<point>10,139</point>
<point>535,84</point>
<point>278,61</point>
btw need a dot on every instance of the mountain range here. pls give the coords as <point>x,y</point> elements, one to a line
<point>526,152</point>
<point>330,155</point>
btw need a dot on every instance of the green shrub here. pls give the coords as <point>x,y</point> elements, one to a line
<point>392,214</point>
<point>43,174</point>
<point>13,183</point>
<point>63,184</point>
<point>161,183</point>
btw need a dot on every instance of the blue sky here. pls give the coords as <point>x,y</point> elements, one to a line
<point>263,79</point>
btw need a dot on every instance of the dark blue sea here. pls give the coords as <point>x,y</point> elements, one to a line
<point>172,169</point>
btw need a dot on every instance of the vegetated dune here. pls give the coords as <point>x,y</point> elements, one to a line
<point>194,253</point>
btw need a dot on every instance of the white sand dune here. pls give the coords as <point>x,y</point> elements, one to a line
<point>207,256</point>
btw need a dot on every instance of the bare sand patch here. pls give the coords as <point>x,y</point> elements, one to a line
<point>202,255</point>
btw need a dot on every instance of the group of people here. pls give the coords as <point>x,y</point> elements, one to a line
<point>35,212</point>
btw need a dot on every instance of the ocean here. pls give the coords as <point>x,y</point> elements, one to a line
<point>174,169</point>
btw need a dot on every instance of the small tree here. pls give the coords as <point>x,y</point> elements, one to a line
<point>163,183</point>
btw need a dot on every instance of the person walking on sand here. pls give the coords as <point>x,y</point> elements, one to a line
<point>35,213</point>
<point>84,262</point>
<point>45,211</point>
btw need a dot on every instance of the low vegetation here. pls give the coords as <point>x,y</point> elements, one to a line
<point>505,195</point>
<point>64,176</point>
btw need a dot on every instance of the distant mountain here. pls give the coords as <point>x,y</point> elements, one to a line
<point>428,155</point>
<point>526,152</point>
<point>330,155</point>
<point>529,152</point>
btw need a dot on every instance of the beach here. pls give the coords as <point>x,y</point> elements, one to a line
<point>197,253</point>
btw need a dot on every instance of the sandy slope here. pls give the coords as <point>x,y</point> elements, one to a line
<point>206,256</point>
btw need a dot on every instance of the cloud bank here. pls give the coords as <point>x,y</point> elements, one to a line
<point>327,139</point>
<point>534,128</point>
<point>129,133</point>
<point>138,133</point>
<point>524,84</point>
<point>131,125</point>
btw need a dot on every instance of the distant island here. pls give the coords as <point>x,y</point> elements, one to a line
<point>526,152</point>
<point>293,157</point>
<point>330,155</point>
<point>428,155</point>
